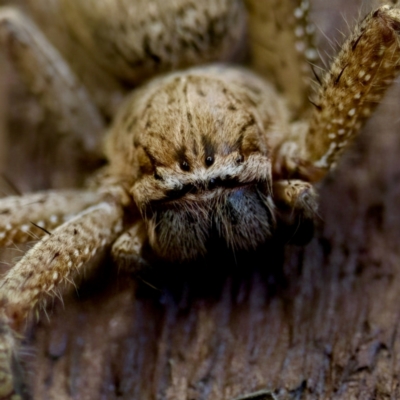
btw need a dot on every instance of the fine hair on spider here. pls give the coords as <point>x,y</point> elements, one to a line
<point>201,153</point>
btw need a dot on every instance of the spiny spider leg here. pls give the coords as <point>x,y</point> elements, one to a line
<point>127,249</point>
<point>358,78</point>
<point>47,209</point>
<point>48,75</point>
<point>364,68</point>
<point>51,265</point>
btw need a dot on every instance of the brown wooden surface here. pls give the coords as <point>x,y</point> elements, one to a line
<point>319,322</point>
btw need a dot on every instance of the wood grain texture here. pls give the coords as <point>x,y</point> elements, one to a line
<point>318,322</point>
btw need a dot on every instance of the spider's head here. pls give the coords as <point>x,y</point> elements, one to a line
<point>198,150</point>
<point>186,209</point>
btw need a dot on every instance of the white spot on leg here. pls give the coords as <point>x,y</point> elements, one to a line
<point>352,112</point>
<point>25,228</point>
<point>55,276</point>
<point>299,31</point>
<point>338,121</point>
<point>300,46</point>
<point>323,161</point>
<point>311,54</point>
<point>298,13</point>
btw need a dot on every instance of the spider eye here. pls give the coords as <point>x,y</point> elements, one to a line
<point>185,166</point>
<point>209,160</point>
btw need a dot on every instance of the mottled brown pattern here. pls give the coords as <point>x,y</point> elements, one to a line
<point>44,209</point>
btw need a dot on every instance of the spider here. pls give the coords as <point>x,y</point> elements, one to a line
<point>205,154</point>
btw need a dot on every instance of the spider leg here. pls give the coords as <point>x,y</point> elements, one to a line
<point>49,77</point>
<point>281,40</point>
<point>51,265</point>
<point>127,250</point>
<point>359,76</point>
<point>31,215</point>
<point>296,195</point>
<point>297,209</point>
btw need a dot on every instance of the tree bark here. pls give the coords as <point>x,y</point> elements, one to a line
<point>313,322</point>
